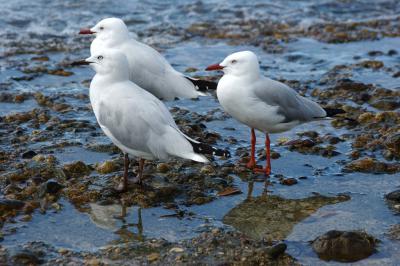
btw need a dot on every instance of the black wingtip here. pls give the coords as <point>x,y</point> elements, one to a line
<point>203,148</point>
<point>330,112</point>
<point>203,85</point>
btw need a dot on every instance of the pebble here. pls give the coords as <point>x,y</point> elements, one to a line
<point>176,250</point>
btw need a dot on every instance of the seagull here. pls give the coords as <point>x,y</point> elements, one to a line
<point>147,67</point>
<point>135,120</point>
<point>261,103</point>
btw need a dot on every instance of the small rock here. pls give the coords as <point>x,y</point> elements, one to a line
<point>207,170</point>
<point>10,204</point>
<point>24,257</point>
<point>153,257</point>
<point>275,155</point>
<point>393,196</point>
<point>176,250</point>
<point>369,165</point>
<point>276,250</point>
<point>371,64</point>
<point>344,246</point>
<point>92,262</point>
<point>394,232</point>
<point>392,143</point>
<point>51,186</point>
<point>163,167</point>
<point>76,169</point>
<point>107,167</point>
<point>28,155</point>
<point>289,181</point>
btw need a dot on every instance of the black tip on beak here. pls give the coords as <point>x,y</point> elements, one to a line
<point>80,63</point>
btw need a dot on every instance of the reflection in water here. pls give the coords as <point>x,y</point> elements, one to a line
<point>111,216</point>
<point>271,217</point>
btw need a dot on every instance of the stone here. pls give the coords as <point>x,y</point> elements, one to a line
<point>76,169</point>
<point>276,250</point>
<point>393,196</point>
<point>24,257</point>
<point>28,155</point>
<point>107,167</point>
<point>51,186</point>
<point>9,205</point>
<point>344,246</point>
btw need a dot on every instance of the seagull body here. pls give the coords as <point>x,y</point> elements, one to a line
<point>136,121</point>
<point>259,102</point>
<point>147,67</point>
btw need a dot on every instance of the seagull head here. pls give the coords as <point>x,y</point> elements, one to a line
<point>109,62</point>
<point>108,29</point>
<point>242,63</point>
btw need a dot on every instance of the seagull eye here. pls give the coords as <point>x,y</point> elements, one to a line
<point>100,57</point>
<point>101,28</point>
<point>234,61</point>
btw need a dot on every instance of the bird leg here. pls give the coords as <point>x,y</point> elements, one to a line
<point>252,163</point>
<point>139,176</point>
<point>267,170</point>
<point>123,185</point>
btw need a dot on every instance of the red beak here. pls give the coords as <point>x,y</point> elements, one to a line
<point>214,67</point>
<point>86,31</point>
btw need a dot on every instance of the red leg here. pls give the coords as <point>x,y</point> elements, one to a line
<point>123,185</point>
<point>267,169</point>
<point>268,151</point>
<point>252,163</point>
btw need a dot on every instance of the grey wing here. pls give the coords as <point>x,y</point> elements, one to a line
<point>144,125</point>
<point>125,125</point>
<point>292,106</point>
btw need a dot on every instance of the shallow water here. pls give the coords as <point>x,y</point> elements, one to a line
<point>304,59</point>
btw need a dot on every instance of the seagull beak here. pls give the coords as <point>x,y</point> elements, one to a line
<point>214,67</point>
<point>86,31</point>
<point>84,62</point>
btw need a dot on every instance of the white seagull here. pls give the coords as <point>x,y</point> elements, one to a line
<point>136,121</point>
<point>262,103</point>
<point>147,67</point>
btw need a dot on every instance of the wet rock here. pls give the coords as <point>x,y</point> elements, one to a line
<point>394,196</point>
<point>24,257</point>
<point>344,246</point>
<point>365,118</point>
<point>163,167</point>
<point>349,85</point>
<point>107,167</point>
<point>375,53</point>
<point>60,72</point>
<point>275,155</point>
<point>51,187</point>
<point>271,217</point>
<point>386,104</point>
<point>207,170</point>
<point>370,165</point>
<point>392,143</point>
<point>29,154</point>
<point>372,64</point>
<point>10,204</point>
<point>276,250</point>
<point>393,200</point>
<point>40,58</point>
<point>394,232</point>
<point>76,169</point>
<point>289,181</point>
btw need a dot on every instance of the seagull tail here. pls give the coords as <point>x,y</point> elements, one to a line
<point>198,158</point>
<point>203,85</point>
<point>203,148</point>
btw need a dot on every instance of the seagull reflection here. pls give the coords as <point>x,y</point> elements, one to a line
<point>114,217</point>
